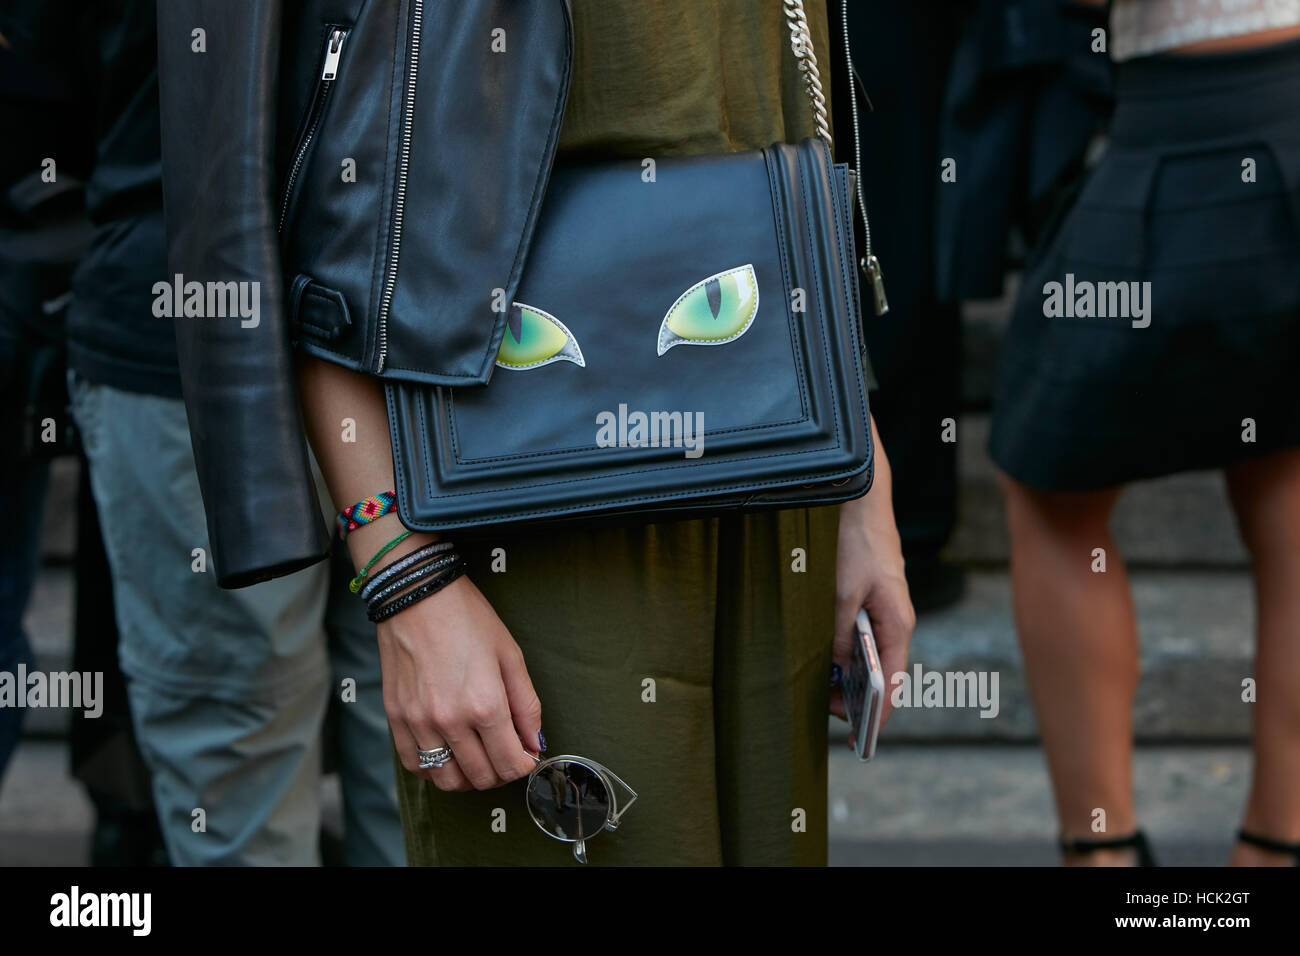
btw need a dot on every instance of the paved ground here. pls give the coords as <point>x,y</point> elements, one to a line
<point>980,805</point>
<point>990,805</point>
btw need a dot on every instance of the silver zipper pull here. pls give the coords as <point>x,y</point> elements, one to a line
<point>332,54</point>
<point>871,267</point>
<point>869,264</point>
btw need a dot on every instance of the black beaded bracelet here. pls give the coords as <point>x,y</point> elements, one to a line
<point>389,572</point>
<point>415,575</point>
<point>427,589</point>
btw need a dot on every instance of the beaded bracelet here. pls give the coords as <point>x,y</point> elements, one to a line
<point>401,564</point>
<point>365,511</point>
<point>414,576</point>
<point>385,611</point>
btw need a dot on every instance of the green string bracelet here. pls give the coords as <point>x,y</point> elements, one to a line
<point>355,584</point>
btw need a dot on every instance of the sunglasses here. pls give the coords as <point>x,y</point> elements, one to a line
<point>573,799</point>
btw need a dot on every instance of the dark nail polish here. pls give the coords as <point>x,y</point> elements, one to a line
<point>541,742</point>
<point>836,675</point>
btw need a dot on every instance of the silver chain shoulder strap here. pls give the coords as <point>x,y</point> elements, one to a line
<point>801,43</point>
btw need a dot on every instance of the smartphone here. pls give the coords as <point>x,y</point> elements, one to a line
<point>864,689</point>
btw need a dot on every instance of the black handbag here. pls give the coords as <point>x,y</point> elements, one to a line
<point>687,345</point>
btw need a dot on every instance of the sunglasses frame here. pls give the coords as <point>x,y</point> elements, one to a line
<point>608,777</point>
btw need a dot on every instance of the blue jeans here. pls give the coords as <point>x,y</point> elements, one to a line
<point>229,689</point>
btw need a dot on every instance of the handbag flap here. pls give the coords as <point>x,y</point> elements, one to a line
<point>688,335</point>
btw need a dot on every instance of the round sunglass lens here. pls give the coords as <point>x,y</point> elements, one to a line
<point>569,801</point>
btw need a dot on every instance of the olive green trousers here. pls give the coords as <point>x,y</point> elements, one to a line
<point>692,659</point>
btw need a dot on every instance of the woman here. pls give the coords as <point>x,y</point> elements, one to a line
<point>689,657</point>
<point>1194,211</point>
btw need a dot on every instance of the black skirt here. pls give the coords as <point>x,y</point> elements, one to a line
<point>1158,328</point>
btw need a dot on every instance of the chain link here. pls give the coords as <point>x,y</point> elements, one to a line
<point>802,45</point>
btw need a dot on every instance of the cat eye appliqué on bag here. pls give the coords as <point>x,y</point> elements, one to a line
<point>713,312</point>
<point>534,338</point>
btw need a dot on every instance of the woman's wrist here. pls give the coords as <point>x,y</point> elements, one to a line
<point>399,568</point>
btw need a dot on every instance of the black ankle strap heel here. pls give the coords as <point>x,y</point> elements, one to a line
<point>1273,846</point>
<point>1136,840</point>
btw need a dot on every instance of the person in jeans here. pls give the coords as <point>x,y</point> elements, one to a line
<point>228,690</point>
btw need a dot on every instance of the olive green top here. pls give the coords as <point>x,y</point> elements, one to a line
<point>679,77</point>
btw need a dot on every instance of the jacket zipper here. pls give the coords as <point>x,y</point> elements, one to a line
<point>399,189</point>
<point>330,69</point>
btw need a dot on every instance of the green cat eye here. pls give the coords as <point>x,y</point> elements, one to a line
<point>534,338</point>
<point>718,310</point>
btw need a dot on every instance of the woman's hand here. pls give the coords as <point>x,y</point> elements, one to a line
<point>454,677</point>
<point>869,573</point>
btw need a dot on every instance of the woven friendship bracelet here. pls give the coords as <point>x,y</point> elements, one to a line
<point>425,590</point>
<point>401,564</point>
<point>355,584</point>
<point>414,576</point>
<point>365,511</point>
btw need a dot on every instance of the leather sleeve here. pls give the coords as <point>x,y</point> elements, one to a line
<point>218,132</point>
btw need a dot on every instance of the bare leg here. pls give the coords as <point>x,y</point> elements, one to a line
<point>1266,496</point>
<point>1078,634</point>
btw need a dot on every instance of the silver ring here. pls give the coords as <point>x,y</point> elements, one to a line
<point>434,759</point>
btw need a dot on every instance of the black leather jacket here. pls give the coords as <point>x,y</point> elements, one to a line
<point>376,167</point>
